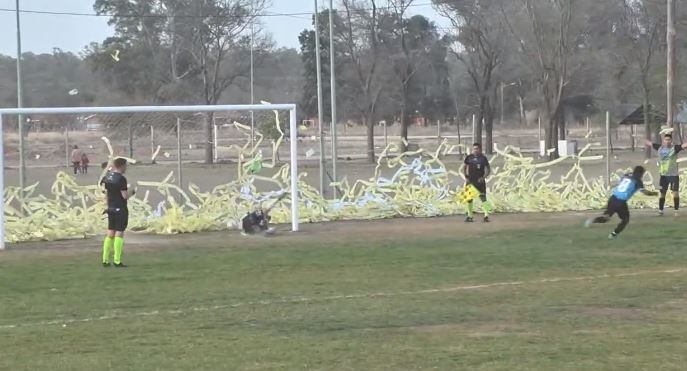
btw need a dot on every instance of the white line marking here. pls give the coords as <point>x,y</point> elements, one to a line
<point>296,300</point>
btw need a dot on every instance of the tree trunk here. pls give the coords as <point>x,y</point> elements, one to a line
<point>209,140</point>
<point>404,128</point>
<point>522,112</point>
<point>370,123</point>
<point>489,129</point>
<point>561,127</point>
<point>552,137</point>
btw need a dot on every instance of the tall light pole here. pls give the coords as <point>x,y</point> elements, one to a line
<point>20,104</point>
<point>671,63</point>
<point>332,73</point>
<point>252,86</point>
<point>320,109</point>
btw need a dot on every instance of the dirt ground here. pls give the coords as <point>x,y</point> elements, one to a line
<point>373,231</point>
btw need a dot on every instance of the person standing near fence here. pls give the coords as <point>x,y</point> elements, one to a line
<point>84,163</point>
<point>117,211</point>
<point>476,169</point>
<point>76,159</point>
<point>668,169</point>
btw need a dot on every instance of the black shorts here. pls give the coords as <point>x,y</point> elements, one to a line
<point>672,181</point>
<point>117,219</point>
<point>481,186</point>
<point>617,206</point>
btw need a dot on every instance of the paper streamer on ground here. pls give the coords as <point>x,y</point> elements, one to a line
<point>412,184</point>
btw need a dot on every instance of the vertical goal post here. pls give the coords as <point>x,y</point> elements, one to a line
<point>293,137</point>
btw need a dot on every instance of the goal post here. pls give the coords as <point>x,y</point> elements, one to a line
<point>293,137</point>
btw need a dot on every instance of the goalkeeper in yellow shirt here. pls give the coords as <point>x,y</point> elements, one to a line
<point>668,169</point>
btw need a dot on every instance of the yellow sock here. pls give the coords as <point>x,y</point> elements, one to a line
<point>107,246</point>
<point>118,244</point>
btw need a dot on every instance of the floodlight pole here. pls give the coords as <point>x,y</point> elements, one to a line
<point>332,73</point>
<point>252,86</point>
<point>671,65</point>
<point>320,108</point>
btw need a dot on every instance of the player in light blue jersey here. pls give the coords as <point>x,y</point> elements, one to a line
<point>628,186</point>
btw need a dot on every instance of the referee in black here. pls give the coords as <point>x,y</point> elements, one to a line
<point>476,169</point>
<point>117,212</point>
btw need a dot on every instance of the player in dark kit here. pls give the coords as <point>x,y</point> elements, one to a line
<point>617,204</point>
<point>476,169</point>
<point>117,211</point>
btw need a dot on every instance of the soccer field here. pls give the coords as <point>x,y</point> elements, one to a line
<point>529,291</point>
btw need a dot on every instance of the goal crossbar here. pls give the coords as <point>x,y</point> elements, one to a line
<point>293,136</point>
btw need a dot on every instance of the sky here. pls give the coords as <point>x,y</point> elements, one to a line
<point>42,32</point>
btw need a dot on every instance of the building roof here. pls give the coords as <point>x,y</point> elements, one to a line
<point>636,117</point>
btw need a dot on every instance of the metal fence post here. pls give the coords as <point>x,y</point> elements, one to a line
<point>2,186</point>
<point>152,143</point>
<point>131,140</point>
<point>608,148</point>
<point>439,131</point>
<point>66,146</point>
<point>179,152</point>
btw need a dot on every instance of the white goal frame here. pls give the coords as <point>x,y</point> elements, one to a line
<point>293,135</point>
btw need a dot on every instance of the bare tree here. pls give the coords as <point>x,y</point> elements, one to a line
<point>641,39</point>
<point>217,34</point>
<point>361,26</point>
<point>548,51</point>
<point>404,61</point>
<point>480,43</point>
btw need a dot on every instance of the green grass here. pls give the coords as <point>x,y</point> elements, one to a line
<point>161,316</point>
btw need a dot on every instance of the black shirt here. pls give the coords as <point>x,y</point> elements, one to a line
<point>115,183</point>
<point>477,166</point>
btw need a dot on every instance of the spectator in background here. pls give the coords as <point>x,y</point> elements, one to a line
<point>84,163</point>
<point>76,159</point>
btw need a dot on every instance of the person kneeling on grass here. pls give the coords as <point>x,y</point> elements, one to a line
<point>628,186</point>
<point>117,211</point>
<point>259,220</point>
<point>256,222</point>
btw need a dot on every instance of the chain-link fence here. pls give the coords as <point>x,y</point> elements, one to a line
<point>184,141</point>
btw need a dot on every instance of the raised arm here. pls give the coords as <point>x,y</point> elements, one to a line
<point>653,145</point>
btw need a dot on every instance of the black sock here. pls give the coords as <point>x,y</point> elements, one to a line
<point>661,203</point>
<point>600,219</point>
<point>676,203</point>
